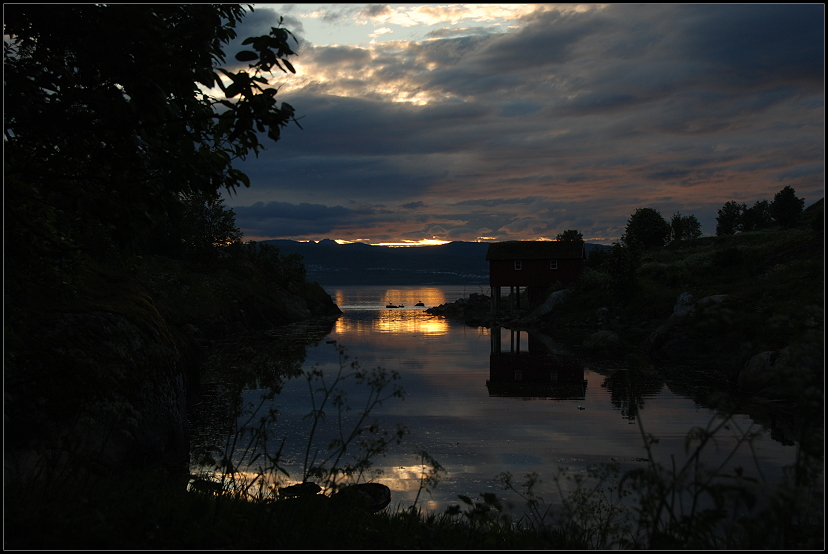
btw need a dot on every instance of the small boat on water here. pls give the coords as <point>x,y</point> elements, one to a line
<point>392,306</point>
<point>419,304</point>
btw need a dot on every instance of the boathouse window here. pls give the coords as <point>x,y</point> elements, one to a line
<point>553,264</point>
<point>518,265</point>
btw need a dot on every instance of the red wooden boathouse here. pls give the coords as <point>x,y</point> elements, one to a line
<point>536,265</point>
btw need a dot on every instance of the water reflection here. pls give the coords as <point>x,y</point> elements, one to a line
<point>532,371</point>
<point>630,388</point>
<point>262,361</point>
<point>377,298</point>
<point>461,384</point>
<point>393,321</point>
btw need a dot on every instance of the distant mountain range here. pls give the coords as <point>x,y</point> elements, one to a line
<point>454,263</point>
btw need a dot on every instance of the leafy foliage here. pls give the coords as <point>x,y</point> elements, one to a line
<point>357,440</point>
<point>681,505</point>
<point>785,210</point>
<point>757,217</point>
<point>110,116</point>
<point>647,227</point>
<point>206,225</point>
<point>729,220</point>
<point>684,227</point>
<point>786,207</point>
<point>269,263</point>
<point>622,267</point>
<point>570,234</point>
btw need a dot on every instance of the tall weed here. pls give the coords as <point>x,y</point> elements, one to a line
<point>671,505</point>
<point>345,454</point>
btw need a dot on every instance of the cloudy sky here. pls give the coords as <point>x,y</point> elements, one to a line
<point>501,122</point>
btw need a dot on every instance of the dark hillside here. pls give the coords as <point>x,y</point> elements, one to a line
<point>121,355</point>
<point>360,264</point>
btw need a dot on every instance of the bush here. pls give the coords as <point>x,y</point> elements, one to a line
<point>205,226</point>
<point>622,267</point>
<point>730,257</point>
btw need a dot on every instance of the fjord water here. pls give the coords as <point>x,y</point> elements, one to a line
<point>470,406</point>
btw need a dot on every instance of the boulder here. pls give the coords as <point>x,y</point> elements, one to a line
<point>604,342</point>
<point>684,304</point>
<point>552,300</point>
<point>763,370</point>
<point>370,497</point>
<point>710,300</point>
<point>301,489</point>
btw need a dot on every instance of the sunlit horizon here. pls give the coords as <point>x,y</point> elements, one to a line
<point>421,242</point>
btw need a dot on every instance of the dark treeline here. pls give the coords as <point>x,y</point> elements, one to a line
<point>647,230</point>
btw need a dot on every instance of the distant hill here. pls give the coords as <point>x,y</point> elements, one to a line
<point>455,263</point>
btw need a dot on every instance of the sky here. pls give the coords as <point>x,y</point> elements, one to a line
<point>486,122</point>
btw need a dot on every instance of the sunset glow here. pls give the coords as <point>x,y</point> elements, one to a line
<point>520,121</point>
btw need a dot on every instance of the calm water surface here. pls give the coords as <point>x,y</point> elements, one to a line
<point>471,404</point>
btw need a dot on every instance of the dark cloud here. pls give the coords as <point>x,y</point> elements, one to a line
<point>342,57</point>
<point>374,10</point>
<point>570,122</point>
<point>451,32</point>
<point>284,210</point>
<point>519,108</point>
<point>757,45</point>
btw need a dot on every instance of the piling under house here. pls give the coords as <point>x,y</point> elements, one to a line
<point>535,265</point>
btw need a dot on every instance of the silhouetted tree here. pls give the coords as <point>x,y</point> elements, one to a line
<point>685,227</point>
<point>596,257</point>
<point>729,220</point>
<point>110,115</point>
<point>206,225</point>
<point>622,267</point>
<point>648,227</point>
<point>786,207</point>
<point>570,234</point>
<point>757,217</point>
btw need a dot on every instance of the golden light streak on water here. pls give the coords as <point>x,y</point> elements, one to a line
<point>397,322</point>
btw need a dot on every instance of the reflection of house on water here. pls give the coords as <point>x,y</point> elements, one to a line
<point>530,365</point>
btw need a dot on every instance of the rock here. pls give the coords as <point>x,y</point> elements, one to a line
<point>553,300</point>
<point>300,489</point>
<point>764,370</point>
<point>710,300</point>
<point>684,304</point>
<point>655,340</point>
<point>370,497</point>
<point>604,342</point>
<point>476,307</point>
